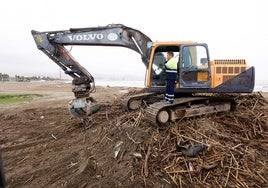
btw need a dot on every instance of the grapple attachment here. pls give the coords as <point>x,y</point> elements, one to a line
<point>83,107</point>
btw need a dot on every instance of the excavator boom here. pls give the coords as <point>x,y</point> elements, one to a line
<point>53,43</point>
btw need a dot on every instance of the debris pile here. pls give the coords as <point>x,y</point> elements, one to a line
<point>223,150</point>
<point>43,146</point>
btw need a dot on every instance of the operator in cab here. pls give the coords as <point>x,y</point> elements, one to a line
<point>171,76</point>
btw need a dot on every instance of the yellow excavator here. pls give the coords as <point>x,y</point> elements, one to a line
<point>196,73</point>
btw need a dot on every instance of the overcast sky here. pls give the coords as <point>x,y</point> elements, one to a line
<point>231,28</point>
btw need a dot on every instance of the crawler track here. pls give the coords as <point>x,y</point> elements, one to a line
<point>160,113</point>
<point>134,102</point>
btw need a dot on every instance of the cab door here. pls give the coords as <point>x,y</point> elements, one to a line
<point>194,66</point>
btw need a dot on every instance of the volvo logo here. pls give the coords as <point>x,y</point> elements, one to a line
<point>93,36</point>
<point>86,37</point>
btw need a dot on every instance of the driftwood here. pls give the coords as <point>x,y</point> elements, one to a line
<point>235,145</point>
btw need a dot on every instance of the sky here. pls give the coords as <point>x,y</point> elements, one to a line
<point>231,28</point>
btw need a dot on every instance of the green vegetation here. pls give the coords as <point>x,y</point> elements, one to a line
<point>16,98</point>
<point>4,77</point>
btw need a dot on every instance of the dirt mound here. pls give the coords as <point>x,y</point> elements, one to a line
<point>45,147</point>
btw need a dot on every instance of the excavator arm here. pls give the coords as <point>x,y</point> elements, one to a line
<point>53,43</point>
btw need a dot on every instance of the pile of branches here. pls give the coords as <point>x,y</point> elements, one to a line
<point>226,150</point>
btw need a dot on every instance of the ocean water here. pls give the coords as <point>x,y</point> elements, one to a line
<point>260,85</point>
<point>123,83</point>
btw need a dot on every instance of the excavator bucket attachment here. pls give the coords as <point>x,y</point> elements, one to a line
<point>83,107</point>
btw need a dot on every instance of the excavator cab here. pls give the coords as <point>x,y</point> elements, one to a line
<point>156,68</point>
<point>193,65</point>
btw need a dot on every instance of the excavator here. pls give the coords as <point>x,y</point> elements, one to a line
<point>198,77</point>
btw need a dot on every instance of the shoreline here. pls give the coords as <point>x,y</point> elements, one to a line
<point>65,87</point>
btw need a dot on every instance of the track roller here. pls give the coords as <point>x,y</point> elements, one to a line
<point>162,116</point>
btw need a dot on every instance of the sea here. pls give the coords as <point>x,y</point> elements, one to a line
<point>260,85</point>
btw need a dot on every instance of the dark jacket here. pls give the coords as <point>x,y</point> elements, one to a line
<point>171,74</point>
